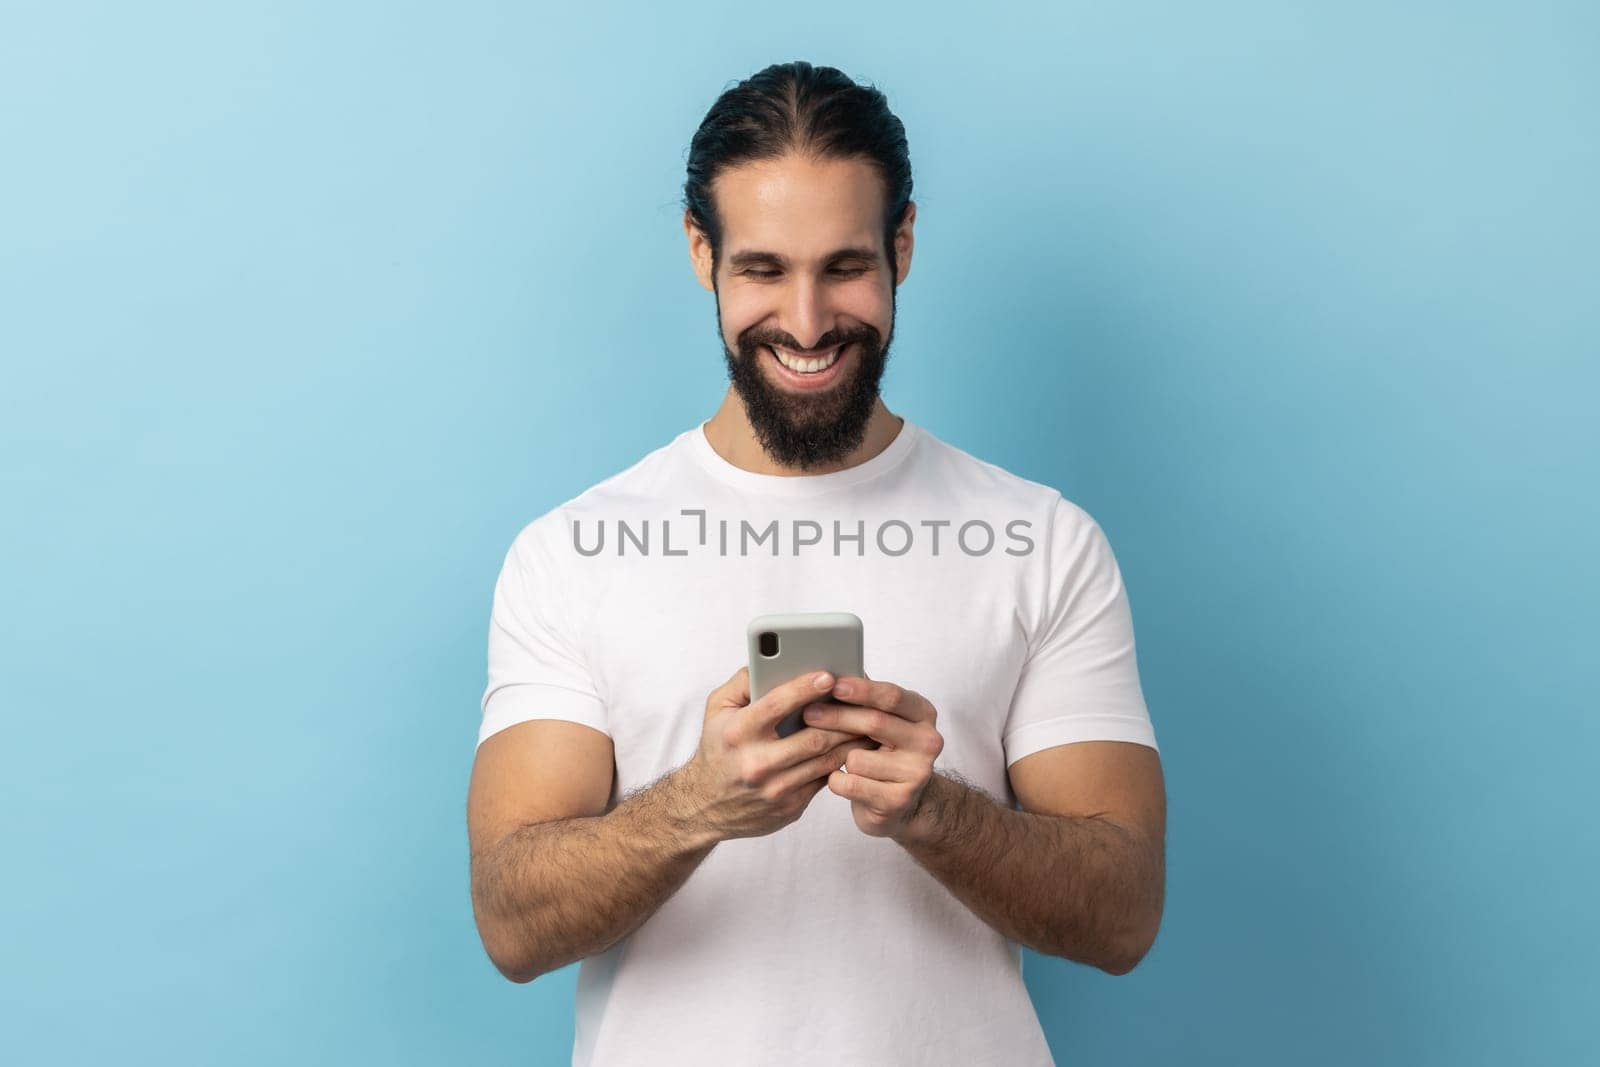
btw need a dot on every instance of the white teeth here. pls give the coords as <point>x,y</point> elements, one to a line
<point>807,366</point>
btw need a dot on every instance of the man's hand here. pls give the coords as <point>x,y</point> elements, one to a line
<point>746,781</point>
<point>886,785</point>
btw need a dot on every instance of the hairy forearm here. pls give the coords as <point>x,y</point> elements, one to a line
<point>1080,887</point>
<point>554,892</point>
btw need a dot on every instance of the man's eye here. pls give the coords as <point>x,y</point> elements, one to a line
<point>843,272</point>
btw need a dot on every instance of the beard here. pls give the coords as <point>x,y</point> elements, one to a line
<point>810,429</point>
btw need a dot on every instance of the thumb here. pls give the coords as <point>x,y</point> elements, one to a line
<point>735,692</point>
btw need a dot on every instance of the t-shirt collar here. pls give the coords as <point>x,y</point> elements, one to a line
<point>785,485</point>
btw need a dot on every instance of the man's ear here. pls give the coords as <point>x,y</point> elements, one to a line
<point>903,242</point>
<point>699,251</point>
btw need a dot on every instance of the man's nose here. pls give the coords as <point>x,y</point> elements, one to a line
<point>808,314</point>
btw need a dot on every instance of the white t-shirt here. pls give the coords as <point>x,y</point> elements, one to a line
<point>993,596</point>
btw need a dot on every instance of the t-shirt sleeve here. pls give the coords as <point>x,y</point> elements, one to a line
<point>1080,681</point>
<point>537,668</point>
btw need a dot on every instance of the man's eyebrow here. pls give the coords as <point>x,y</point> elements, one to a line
<point>753,257</point>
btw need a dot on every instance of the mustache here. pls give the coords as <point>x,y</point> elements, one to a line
<point>827,343</point>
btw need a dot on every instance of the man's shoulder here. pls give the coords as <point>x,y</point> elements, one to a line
<point>972,477</point>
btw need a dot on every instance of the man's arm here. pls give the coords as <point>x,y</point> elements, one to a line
<point>550,887</point>
<point>1082,875</point>
<point>557,877</point>
<point>1088,887</point>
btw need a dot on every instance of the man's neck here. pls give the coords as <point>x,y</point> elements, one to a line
<point>734,439</point>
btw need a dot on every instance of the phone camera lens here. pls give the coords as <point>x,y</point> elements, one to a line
<point>768,642</point>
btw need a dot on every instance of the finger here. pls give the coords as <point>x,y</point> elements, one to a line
<point>817,768</point>
<point>766,713</point>
<point>805,743</point>
<point>883,766</point>
<point>908,704</point>
<point>828,706</point>
<point>869,722</point>
<point>810,789</point>
<point>879,797</point>
<point>734,693</point>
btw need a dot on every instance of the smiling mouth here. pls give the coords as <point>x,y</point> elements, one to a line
<point>807,364</point>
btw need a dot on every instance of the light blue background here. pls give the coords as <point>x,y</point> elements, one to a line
<point>306,311</point>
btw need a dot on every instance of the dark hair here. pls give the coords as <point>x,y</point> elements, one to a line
<point>796,107</point>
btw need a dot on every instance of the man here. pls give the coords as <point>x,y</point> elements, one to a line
<point>857,891</point>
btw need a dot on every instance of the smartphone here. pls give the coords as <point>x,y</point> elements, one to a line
<point>783,647</point>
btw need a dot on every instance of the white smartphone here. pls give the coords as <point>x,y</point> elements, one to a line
<point>783,647</point>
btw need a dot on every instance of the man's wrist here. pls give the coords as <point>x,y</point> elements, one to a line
<point>926,823</point>
<point>684,811</point>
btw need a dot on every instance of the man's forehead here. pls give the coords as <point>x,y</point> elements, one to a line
<point>799,208</point>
